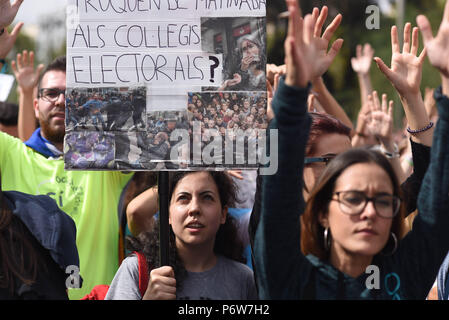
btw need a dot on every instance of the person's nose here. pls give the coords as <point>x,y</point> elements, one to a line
<point>369,212</point>
<point>60,101</point>
<point>194,207</point>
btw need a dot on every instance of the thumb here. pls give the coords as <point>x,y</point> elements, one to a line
<point>383,68</point>
<point>39,69</point>
<point>16,30</point>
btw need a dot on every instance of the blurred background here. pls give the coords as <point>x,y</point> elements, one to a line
<point>44,32</point>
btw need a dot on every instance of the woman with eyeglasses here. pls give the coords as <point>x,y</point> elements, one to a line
<point>352,223</point>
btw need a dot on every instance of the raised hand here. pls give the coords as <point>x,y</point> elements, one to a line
<point>307,55</point>
<point>406,68</point>
<point>322,58</point>
<point>8,11</point>
<point>380,120</point>
<point>361,63</point>
<point>438,47</point>
<point>27,77</point>
<point>7,40</point>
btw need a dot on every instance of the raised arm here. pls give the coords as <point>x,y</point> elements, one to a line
<point>321,42</point>
<point>405,75</point>
<point>282,201</point>
<point>27,78</point>
<point>361,64</point>
<point>141,210</point>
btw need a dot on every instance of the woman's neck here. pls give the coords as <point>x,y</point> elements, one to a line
<point>350,264</point>
<point>196,258</point>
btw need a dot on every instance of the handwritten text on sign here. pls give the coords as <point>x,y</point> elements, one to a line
<point>159,69</point>
<point>92,9</point>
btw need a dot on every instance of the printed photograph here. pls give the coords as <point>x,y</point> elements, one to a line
<point>106,109</point>
<point>242,42</point>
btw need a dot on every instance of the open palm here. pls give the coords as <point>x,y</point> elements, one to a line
<point>380,121</point>
<point>438,47</point>
<point>406,67</point>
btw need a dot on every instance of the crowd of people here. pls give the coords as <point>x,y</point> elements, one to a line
<point>352,212</point>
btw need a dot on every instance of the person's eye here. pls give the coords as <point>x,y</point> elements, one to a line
<point>353,198</point>
<point>209,197</point>
<point>50,93</point>
<point>384,201</point>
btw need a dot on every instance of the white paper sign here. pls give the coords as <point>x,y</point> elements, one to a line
<point>6,83</point>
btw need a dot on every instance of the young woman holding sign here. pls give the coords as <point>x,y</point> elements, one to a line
<point>205,251</point>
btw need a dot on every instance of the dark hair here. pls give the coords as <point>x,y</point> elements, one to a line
<point>324,124</point>
<point>58,64</point>
<point>227,242</point>
<point>312,239</point>
<point>17,255</point>
<point>9,113</point>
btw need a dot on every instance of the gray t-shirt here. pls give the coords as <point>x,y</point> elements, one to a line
<point>227,280</point>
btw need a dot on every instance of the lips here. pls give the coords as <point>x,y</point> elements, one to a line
<point>194,225</point>
<point>367,231</point>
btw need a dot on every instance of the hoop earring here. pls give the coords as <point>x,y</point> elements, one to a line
<point>327,239</point>
<point>395,239</point>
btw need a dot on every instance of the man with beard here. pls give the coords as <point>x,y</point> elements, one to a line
<point>91,198</point>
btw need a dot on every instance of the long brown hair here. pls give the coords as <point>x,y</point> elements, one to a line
<point>312,238</point>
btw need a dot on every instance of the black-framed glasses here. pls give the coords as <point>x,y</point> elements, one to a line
<point>354,202</point>
<point>326,160</point>
<point>50,94</point>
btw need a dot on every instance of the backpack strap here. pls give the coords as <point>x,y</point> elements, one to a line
<point>143,272</point>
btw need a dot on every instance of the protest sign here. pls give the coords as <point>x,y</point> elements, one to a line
<point>145,76</point>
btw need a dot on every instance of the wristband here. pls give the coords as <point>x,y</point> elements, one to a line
<point>430,125</point>
<point>391,155</point>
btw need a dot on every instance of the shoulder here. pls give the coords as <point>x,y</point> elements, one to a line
<point>52,227</point>
<point>234,267</point>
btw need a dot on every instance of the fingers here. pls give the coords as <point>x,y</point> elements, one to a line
<point>276,82</point>
<point>415,41</point>
<point>446,12</point>
<point>394,40</point>
<point>425,28</point>
<point>383,67</point>
<point>368,50</point>
<point>422,56</point>
<point>329,32</point>
<point>15,31</point>
<point>309,24</point>
<point>39,69</point>
<point>358,51</point>
<point>390,109</point>
<point>406,47</point>
<point>384,104</point>
<point>320,21</point>
<point>162,284</point>
<point>336,46</point>
<point>269,90</point>
<point>376,102</point>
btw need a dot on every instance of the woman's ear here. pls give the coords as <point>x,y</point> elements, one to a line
<point>224,213</point>
<point>323,219</point>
